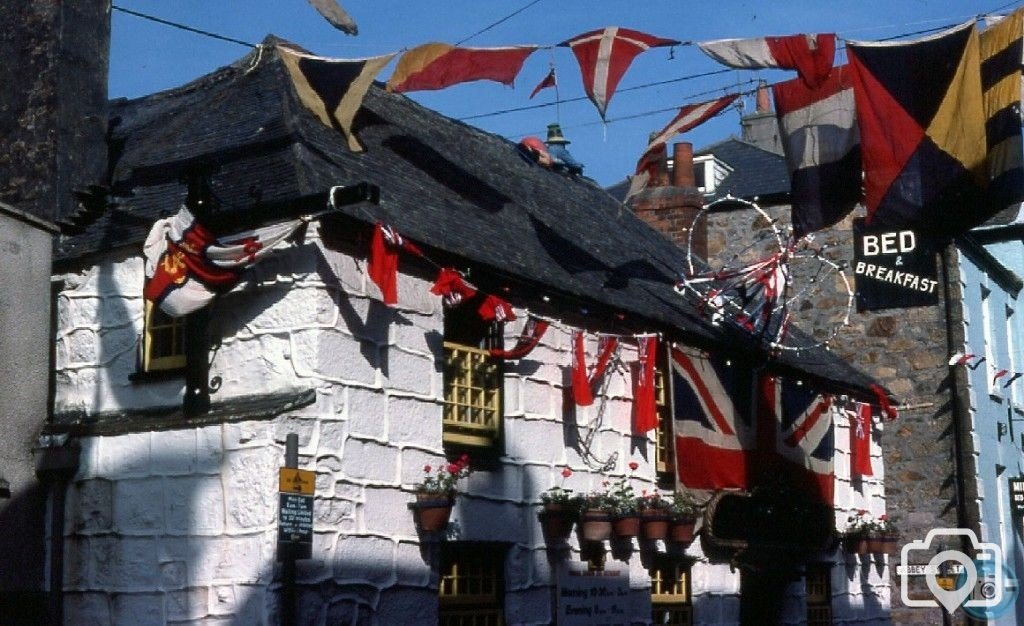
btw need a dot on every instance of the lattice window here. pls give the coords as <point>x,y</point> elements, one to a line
<point>670,593</point>
<point>664,443</point>
<point>819,594</point>
<point>473,380</point>
<point>163,340</point>
<point>471,591</point>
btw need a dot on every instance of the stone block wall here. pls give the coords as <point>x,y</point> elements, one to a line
<point>906,350</point>
<point>180,525</point>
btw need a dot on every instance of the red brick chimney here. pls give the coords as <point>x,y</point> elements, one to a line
<point>670,204</point>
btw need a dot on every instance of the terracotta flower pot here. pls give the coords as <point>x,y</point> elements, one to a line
<point>595,525</point>
<point>653,525</point>
<point>856,544</point>
<point>626,526</point>
<point>556,521</point>
<point>681,531</point>
<point>432,511</point>
<point>882,544</point>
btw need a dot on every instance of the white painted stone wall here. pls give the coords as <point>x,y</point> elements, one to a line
<point>180,525</point>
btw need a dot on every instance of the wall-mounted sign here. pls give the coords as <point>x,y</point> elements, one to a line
<point>593,598</point>
<point>1017,496</point>
<point>295,521</point>
<point>893,269</point>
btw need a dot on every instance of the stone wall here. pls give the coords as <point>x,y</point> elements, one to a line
<point>180,525</point>
<point>906,350</point>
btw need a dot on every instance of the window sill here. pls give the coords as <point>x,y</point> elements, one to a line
<point>142,377</point>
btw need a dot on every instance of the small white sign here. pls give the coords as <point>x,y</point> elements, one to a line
<point>598,598</point>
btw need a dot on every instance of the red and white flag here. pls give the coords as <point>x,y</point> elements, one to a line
<point>439,65</point>
<point>860,441</point>
<point>645,397</point>
<point>186,265</point>
<point>811,55</point>
<point>689,117</point>
<point>548,81</point>
<point>604,56</point>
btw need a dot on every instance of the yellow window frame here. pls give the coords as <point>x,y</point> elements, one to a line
<point>664,444</point>
<point>818,594</point>
<point>671,603</point>
<point>470,592</point>
<point>472,396</point>
<point>157,325</point>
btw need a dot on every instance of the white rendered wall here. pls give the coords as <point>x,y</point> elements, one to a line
<point>180,525</point>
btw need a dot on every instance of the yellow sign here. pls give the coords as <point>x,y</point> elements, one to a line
<point>296,481</point>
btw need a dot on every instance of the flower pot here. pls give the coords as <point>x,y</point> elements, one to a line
<point>681,531</point>
<point>595,525</point>
<point>653,525</point>
<point>882,544</point>
<point>556,521</point>
<point>856,544</point>
<point>626,526</point>
<point>432,511</point>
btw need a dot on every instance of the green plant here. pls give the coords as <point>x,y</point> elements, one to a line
<point>594,500</point>
<point>683,507</point>
<point>443,480</point>
<point>862,523</point>
<point>622,498</point>
<point>653,503</point>
<point>559,494</point>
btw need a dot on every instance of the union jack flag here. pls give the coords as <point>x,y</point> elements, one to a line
<point>804,434</point>
<point>714,433</point>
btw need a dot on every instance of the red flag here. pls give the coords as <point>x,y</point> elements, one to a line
<point>440,65</point>
<point>690,116</point>
<point>452,289</point>
<point>606,348</point>
<point>645,405</point>
<point>549,81</point>
<point>495,309</point>
<point>528,340</point>
<point>810,55</point>
<point>604,56</point>
<point>580,383</point>
<point>383,266</point>
<point>860,441</point>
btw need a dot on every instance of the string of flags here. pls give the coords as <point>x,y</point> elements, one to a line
<point>973,362</point>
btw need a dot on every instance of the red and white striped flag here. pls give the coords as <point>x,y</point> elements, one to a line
<point>689,117</point>
<point>604,56</point>
<point>811,55</point>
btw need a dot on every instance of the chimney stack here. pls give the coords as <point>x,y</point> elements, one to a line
<point>670,202</point>
<point>760,128</point>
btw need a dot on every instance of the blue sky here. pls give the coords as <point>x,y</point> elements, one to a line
<point>148,57</point>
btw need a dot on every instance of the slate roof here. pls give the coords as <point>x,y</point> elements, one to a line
<point>756,172</point>
<point>448,186</point>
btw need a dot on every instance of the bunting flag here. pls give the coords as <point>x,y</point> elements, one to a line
<point>922,125</point>
<point>713,428</point>
<point>1001,53</point>
<point>689,116</point>
<point>439,65</point>
<point>645,393</point>
<point>548,81</point>
<point>811,55</point>
<point>860,441</point>
<point>606,347</point>
<point>580,382</point>
<point>451,287</point>
<point>495,309</point>
<point>605,54</point>
<point>186,265</point>
<point>646,169</point>
<point>822,145</point>
<point>533,330</point>
<point>999,374</point>
<point>804,435</point>
<point>960,358</point>
<point>383,264</point>
<point>333,89</point>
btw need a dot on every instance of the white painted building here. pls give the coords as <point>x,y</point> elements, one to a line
<point>172,516</point>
